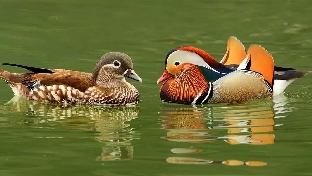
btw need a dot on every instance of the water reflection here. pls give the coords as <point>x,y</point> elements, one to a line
<point>109,124</point>
<point>198,161</point>
<point>250,123</point>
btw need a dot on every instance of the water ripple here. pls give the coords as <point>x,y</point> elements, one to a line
<point>201,127</point>
<point>107,125</point>
<point>248,123</point>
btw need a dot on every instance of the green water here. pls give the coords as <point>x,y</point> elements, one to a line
<point>264,137</point>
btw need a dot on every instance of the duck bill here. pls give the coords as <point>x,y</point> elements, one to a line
<point>132,75</point>
<point>164,77</point>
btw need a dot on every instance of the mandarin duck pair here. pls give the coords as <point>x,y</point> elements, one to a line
<point>192,76</point>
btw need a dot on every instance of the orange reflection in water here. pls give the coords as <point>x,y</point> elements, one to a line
<point>259,123</point>
<point>250,123</point>
<point>185,125</point>
<point>247,123</point>
<point>198,161</point>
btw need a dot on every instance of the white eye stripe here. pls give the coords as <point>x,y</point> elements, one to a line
<point>109,65</point>
<point>188,57</point>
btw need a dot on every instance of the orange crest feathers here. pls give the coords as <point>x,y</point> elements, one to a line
<point>235,52</point>
<point>203,54</point>
<point>262,62</point>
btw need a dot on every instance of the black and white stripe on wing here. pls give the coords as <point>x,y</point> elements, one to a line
<point>203,97</point>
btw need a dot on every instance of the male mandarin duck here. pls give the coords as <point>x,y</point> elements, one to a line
<point>193,76</point>
<point>106,85</point>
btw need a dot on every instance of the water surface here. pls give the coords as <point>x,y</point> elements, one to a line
<point>263,137</point>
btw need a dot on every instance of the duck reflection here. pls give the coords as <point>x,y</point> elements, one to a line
<point>185,124</point>
<point>249,123</point>
<point>199,161</point>
<point>109,123</point>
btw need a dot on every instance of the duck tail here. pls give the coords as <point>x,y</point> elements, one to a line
<point>5,75</point>
<point>235,52</point>
<point>11,77</point>
<point>29,68</point>
<point>282,79</point>
<point>15,82</point>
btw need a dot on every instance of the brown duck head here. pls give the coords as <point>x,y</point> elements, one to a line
<point>114,66</point>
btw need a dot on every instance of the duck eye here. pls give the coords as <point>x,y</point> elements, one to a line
<point>116,63</point>
<point>176,63</point>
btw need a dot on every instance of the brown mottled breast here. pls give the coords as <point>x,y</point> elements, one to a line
<point>188,85</point>
<point>121,93</point>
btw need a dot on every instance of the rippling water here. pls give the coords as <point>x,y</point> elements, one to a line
<point>263,137</point>
<point>248,123</point>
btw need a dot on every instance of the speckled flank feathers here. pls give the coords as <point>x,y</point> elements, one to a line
<point>240,86</point>
<point>94,95</point>
<point>105,86</point>
<point>56,94</point>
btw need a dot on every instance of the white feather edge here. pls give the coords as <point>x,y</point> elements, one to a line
<point>222,60</point>
<point>279,86</point>
<point>244,63</point>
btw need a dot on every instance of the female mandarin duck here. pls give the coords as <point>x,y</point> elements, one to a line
<point>105,86</point>
<point>193,76</point>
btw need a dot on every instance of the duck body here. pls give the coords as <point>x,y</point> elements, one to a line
<point>239,76</point>
<point>240,86</point>
<point>106,85</point>
<point>237,86</point>
<point>112,93</point>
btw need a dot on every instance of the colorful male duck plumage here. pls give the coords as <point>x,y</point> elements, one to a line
<point>193,76</point>
<point>236,52</point>
<point>106,85</point>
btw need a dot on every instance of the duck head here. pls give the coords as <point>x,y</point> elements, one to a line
<point>234,55</point>
<point>114,66</point>
<point>186,85</point>
<point>209,66</point>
